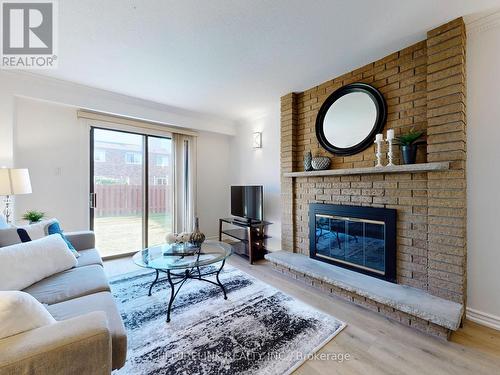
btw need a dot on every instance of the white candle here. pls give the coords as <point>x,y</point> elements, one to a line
<point>379,138</point>
<point>390,134</point>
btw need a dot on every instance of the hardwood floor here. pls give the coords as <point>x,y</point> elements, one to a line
<point>375,345</point>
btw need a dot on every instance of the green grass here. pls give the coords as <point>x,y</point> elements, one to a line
<point>123,234</point>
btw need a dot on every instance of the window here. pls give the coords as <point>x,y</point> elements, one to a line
<point>162,161</point>
<point>100,155</point>
<point>160,180</point>
<point>133,158</point>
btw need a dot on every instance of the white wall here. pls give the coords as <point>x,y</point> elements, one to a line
<point>261,166</point>
<point>6,129</point>
<point>483,170</point>
<point>54,145</point>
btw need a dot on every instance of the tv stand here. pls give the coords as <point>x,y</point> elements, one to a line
<point>251,236</point>
<point>242,220</point>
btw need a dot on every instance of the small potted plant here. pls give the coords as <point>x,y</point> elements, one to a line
<point>33,216</point>
<point>408,145</point>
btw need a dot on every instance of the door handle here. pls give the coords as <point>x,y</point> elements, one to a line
<point>93,200</point>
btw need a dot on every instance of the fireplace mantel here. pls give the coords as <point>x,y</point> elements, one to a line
<point>410,168</point>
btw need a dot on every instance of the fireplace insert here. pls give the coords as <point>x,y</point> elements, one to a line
<point>362,239</point>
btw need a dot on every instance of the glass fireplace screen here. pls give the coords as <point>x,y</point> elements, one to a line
<point>355,242</point>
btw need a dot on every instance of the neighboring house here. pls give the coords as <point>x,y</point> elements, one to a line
<point>118,172</point>
<point>122,164</point>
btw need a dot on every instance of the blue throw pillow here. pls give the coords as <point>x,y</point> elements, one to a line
<point>54,228</point>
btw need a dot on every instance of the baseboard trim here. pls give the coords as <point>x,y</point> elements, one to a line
<point>483,318</point>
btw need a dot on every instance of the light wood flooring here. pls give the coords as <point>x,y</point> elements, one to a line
<point>375,345</point>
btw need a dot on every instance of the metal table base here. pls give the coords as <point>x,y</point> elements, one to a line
<point>180,278</point>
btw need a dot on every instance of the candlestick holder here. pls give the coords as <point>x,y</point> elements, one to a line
<point>390,154</point>
<point>379,153</point>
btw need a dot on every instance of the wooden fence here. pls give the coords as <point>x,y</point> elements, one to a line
<point>124,200</point>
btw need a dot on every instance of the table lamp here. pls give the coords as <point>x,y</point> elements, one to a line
<point>13,181</point>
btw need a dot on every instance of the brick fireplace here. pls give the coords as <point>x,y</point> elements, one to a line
<point>424,87</point>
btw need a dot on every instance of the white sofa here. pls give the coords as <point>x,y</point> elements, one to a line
<point>89,336</point>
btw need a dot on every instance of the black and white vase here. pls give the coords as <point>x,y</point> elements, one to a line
<point>308,161</point>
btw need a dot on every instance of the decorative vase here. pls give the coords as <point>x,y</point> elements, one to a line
<point>321,163</point>
<point>197,238</point>
<point>308,161</point>
<point>409,154</point>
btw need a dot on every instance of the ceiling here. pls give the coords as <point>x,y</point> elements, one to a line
<point>234,58</point>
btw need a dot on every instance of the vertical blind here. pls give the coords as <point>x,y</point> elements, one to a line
<point>184,182</point>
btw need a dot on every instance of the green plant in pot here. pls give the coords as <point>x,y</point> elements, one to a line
<point>33,216</point>
<point>408,144</point>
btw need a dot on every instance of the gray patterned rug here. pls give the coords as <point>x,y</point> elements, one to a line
<point>257,330</point>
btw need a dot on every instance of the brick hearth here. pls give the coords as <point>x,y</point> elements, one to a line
<point>405,304</point>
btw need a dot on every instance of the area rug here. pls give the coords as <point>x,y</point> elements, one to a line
<point>257,330</point>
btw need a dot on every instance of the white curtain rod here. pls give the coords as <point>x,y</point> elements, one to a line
<point>150,125</point>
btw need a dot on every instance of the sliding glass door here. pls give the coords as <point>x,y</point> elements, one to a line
<point>131,193</point>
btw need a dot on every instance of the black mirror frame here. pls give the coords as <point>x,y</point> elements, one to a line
<point>380,105</point>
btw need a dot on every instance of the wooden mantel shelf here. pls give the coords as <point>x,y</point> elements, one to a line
<point>411,168</point>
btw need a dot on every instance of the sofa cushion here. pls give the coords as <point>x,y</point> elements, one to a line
<point>20,312</point>
<point>73,283</point>
<point>97,302</point>
<point>9,236</point>
<point>36,230</point>
<point>44,228</point>
<point>88,257</point>
<point>24,264</point>
<point>81,240</point>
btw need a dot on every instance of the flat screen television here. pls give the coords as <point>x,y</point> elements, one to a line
<point>247,202</point>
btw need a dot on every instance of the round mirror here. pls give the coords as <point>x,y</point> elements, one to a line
<point>349,119</point>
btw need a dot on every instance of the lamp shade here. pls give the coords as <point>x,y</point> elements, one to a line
<point>14,181</point>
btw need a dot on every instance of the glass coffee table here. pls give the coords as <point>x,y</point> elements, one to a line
<point>182,262</point>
